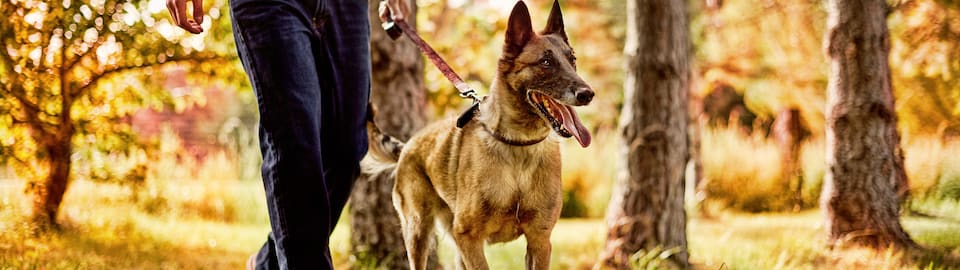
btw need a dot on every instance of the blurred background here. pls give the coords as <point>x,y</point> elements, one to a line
<point>149,134</point>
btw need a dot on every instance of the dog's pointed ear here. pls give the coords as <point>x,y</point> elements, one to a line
<point>555,22</point>
<point>519,30</point>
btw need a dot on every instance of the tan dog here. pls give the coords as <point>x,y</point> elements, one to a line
<point>498,177</point>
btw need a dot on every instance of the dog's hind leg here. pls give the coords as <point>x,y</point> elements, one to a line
<point>413,197</point>
<point>417,237</point>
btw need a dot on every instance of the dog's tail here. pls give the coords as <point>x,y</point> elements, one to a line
<point>384,151</point>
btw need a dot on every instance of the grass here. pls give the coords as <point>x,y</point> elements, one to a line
<point>170,221</point>
<point>103,228</point>
<point>742,171</point>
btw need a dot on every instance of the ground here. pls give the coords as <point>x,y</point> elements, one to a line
<point>103,229</point>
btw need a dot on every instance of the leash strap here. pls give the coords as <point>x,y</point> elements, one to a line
<point>465,90</point>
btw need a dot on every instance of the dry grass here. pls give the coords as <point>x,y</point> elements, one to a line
<point>174,221</point>
<point>103,229</point>
<point>933,167</point>
<point>742,171</point>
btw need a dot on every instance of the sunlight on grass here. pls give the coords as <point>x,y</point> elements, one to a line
<point>103,230</point>
<point>576,245</point>
<point>742,171</point>
<point>732,241</point>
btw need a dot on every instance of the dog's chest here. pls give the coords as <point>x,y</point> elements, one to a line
<point>513,202</point>
<point>514,179</point>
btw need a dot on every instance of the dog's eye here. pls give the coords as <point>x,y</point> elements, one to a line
<point>545,63</point>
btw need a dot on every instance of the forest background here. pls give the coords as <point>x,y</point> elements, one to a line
<point>162,132</point>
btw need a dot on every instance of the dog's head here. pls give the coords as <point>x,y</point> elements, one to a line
<point>541,67</point>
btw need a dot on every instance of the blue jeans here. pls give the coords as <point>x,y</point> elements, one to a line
<point>309,64</point>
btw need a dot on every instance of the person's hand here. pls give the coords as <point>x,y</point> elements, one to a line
<point>178,10</point>
<point>396,9</point>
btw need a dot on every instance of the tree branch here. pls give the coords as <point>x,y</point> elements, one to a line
<point>82,89</point>
<point>87,24</point>
<point>18,159</point>
<point>32,110</point>
<point>24,101</point>
<point>76,60</point>
<point>15,89</point>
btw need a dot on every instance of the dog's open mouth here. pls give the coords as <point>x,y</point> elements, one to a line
<point>562,117</point>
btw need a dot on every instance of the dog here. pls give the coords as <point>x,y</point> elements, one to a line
<point>497,177</point>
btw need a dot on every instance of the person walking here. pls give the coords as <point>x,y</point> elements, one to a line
<point>309,64</point>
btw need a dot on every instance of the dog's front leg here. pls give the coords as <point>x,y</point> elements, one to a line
<point>470,247</point>
<point>538,249</point>
<point>537,231</point>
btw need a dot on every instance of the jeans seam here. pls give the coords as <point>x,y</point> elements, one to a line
<point>257,84</point>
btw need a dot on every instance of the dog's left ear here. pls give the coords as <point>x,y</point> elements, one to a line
<point>555,22</point>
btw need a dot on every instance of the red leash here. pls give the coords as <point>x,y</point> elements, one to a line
<point>395,29</point>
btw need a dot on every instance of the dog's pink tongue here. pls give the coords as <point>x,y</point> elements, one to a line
<point>572,123</point>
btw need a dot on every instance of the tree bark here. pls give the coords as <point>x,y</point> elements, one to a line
<point>646,210</point>
<point>48,192</point>
<point>864,160</point>
<point>789,133</point>
<point>398,92</point>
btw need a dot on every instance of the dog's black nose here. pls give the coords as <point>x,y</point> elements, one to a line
<point>584,95</point>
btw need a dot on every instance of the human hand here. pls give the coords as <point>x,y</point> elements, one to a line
<point>395,9</point>
<point>178,10</point>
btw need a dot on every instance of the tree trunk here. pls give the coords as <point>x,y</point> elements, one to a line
<point>865,167</point>
<point>646,210</point>
<point>789,132</point>
<point>398,93</point>
<point>48,193</point>
<point>696,125</point>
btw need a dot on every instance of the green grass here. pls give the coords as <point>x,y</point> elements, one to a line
<point>104,229</point>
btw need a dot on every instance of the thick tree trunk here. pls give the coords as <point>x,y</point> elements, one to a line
<point>400,97</point>
<point>646,210</point>
<point>865,167</point>
<point>48,193</point>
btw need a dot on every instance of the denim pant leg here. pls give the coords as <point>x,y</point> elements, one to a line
<point>345,34</point>
<point>302,78</point>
